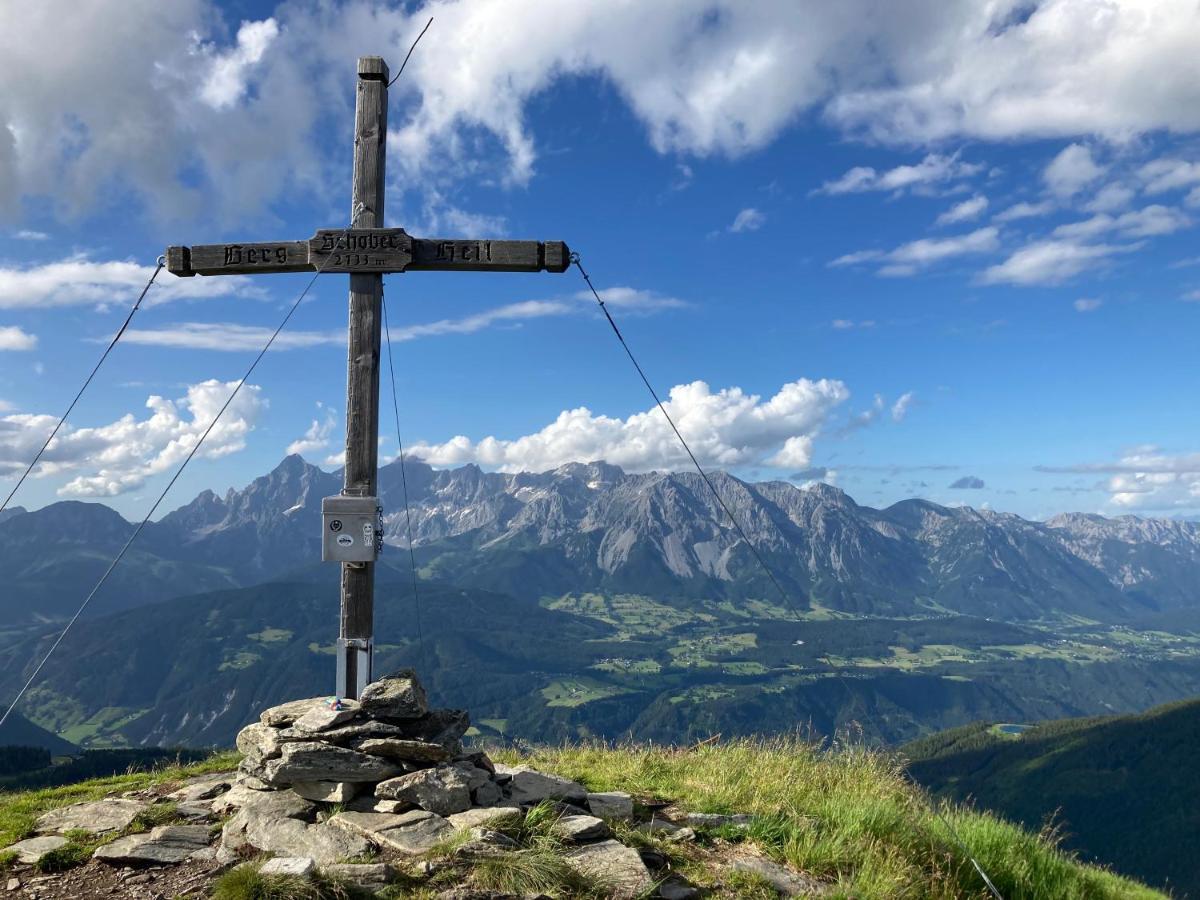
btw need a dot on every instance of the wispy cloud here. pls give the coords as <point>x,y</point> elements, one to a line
<point>749,219</point>
<point>1087,304</point>
<point>1051,261</point>
<point>934,169</point>
<point>966,211</point>
<point>909,258</point>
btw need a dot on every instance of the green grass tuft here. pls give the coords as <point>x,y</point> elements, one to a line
<point>532,872</point>
<point>246,882</point>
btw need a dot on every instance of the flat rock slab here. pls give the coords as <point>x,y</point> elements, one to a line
<point>365,875</point>
<point>295,866</point>
<point>405,751</point>
<point>617,869</point>
<point>473,818</point>
<point>787,882</point>
<point>318,761</point>
<point>165,845</point>
<point>286,713</point>
<point>374,804</point>
<point>95,817</point>
<point>275,804</point>
<point>398,696</point>
<point>530,786</point>
<point>204,788</point>
<point>31,850</point>
<point>326,791</point>
<point>611,805</point>
<point>580,829</point>
<point>324,843</point>
<point>411,833</point>
<point>444,790</point>
<point>323,718</point>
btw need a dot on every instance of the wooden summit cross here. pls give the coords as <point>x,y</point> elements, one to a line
<point>366,251</point>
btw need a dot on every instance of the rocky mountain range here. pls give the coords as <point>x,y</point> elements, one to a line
<point>593,527</point>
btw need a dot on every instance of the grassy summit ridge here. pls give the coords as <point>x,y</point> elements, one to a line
<point>846,816</point>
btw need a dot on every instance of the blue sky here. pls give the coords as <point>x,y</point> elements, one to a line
<point>912,252</point>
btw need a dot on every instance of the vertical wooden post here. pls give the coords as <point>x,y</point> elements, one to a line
<point>362,377</point>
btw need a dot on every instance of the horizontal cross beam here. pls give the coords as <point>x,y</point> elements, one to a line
<point>369,251</point>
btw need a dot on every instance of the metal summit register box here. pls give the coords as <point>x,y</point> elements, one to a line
<point>352,529</point>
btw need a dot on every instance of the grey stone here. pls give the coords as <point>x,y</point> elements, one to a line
<point>31,850</point>
<point>396,696</point>
<point>296,866</point>
<point>405,751</point>
<point>95,817</point>
<point>476,777</point>
<point>14,884</point>
<point>411,832</point>
<point>204,788</point>
<point>286,713</point>
<point>676,888</point>
<point>617,868</point>
<point>369,823</point>
<point>273,804</point>
<point>290,837</point>
<point>442,790</point>
<point>530,786</point>
<point>165,845</point>
<point>681,836</point>
<point>580,829</point>
<point>485,842</point>
<point>323,718</point>
<point>660,826</point>
<point>472,818</point>
<point>479,760</point>
<point>258,742</point>
<point>417,836</point>
<point>193,810</point>
<point>326,791</point>
<point>788,883</point>
<point>487,794</point>
<point>365,875</point>
<point>440,726</point>
<point>375,804</point>
<point>611,805</point>
<point>717,820</point>
<point>317,761</point>
<point>350,734</point>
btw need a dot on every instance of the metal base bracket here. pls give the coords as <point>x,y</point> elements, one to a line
<point>355,655</point>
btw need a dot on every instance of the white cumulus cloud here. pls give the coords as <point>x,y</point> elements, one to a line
<point>118,457</point>
<point>13,338</point>
<point>168,103</point>
<point>78,280</point>
<point>317,436</point>
<point>1071,171</point>
<point>726,428</point>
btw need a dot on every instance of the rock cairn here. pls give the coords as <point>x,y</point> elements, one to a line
<point>328,781</point>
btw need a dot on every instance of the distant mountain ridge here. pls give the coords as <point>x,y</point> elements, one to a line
<point>593,527</point>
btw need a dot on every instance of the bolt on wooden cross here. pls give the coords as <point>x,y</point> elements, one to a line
<point>366,252</point>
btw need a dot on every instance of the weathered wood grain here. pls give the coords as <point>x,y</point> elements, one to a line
<point>457,255</point>
<point>362,381</point>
